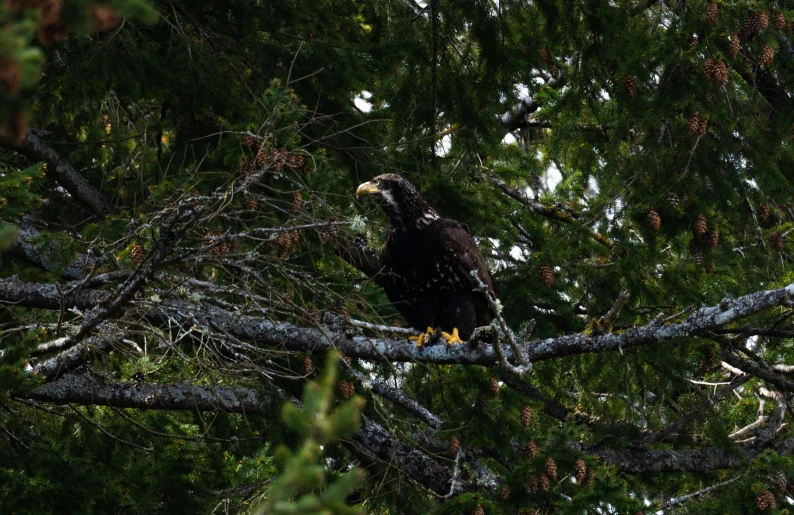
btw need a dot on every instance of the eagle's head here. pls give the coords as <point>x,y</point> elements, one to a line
<point>404,206</point>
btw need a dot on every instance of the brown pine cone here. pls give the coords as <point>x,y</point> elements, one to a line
<point>703,127</point>
<point>546,275</point>
<point>763,212</point>
<point>776,240</point>
<point>767,56</point>
<point>545,484</point>
<point>534,484</point>
<point>526,416</point>
<point>654,222</point>
<point>763,20</point>
<point>697,256</point>
<point>250,141</point>
<point>478,510</point>
<point>693,42</point>
<point>530,450</point>
<point>481,404</point>
<point>545,55</point>
<point>308,366</point>
<point>283,243</point>
<point>735,46</point>
<point>251,203</point>
<point>493,384</point>
<point>780,21</point>
<point>295,236</point>
<point>454,446</point>
<point>693,125</point>
<point>505,492</point>
<point>631,87</point>
<point>766,500</point>
<point>579,470</point>
<point>701,225</point>
<point>555,72</point>
<point>297,202</point>
<point>780,481</point>
<point>346,390</point>
<point>551,468</point>
<point>136,253</point>
<point>712,10</point>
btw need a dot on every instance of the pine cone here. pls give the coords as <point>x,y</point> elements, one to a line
<point>136,253</point>
<point>555,72</point>
<point>705,364</point>
<point>753,25</point>
<point>776,240</point>
<point>283,243</point>
<point>715,71</point>
<point>780,21</point>
<point>712,10</point>
<point>693,42</point>
<point>251,203</point>
<point>478,510</point>
<point>780,481</point>
<point>481,404</point>
<point>493,384</point>
<point>534,484</point>
<point>763,212</point>
<point>767,55</point>
<point>763,20</point>
<point>735,46</point>
<point>297,202</point>
<point>526,416</point>
<point>530,450</point>
<point>551,468</point>
<point>713,238</point>
<point>361,241</point>
<point>328,232</point>
<point>505,492</point>
<point>545,484</point>
<point>672,198</point>
<point>250,141</point>
<point>654,222</point>
<point>631,87</point>
<point>545,55</point>
<point>693,125</point>
<point>703,127</point>
<point>766,499</point>
<point>454,446</point>
<point>579,470</point>
<point>546,275</point>
<point>701,225</point>
<point>308,366</point>
<point>697,256</point>
<point>295,236</point>
<point>346,390</point>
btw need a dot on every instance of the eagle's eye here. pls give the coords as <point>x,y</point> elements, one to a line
<point>377,182</point>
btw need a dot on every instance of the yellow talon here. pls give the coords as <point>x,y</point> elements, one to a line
<point>452,338</point>
<point>420,340</point>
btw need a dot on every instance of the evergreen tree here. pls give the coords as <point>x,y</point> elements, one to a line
<point>180,247</point>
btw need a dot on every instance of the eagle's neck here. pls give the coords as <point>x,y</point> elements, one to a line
<point>408,213</point>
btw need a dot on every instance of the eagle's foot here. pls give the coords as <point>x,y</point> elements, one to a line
<point>426,337</point>
<point>452,338</point>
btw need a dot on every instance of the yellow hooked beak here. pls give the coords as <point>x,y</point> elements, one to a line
<point>366,189</point>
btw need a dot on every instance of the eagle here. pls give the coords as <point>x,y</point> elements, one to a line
<point>427,264</point>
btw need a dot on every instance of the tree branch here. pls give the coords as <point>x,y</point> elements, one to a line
<point>64,173</point>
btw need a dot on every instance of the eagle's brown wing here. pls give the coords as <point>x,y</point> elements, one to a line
<point>464,256</point>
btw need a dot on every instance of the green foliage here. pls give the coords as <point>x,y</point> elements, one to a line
<point>318,423</point>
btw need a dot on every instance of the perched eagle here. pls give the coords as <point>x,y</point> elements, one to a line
<point>426,263</point>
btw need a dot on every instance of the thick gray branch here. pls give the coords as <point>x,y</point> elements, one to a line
<point>64,173</point>
<point>289,336</point>
<point>98,392</point>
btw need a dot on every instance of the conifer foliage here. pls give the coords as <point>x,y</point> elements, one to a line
<point>181,248</point>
